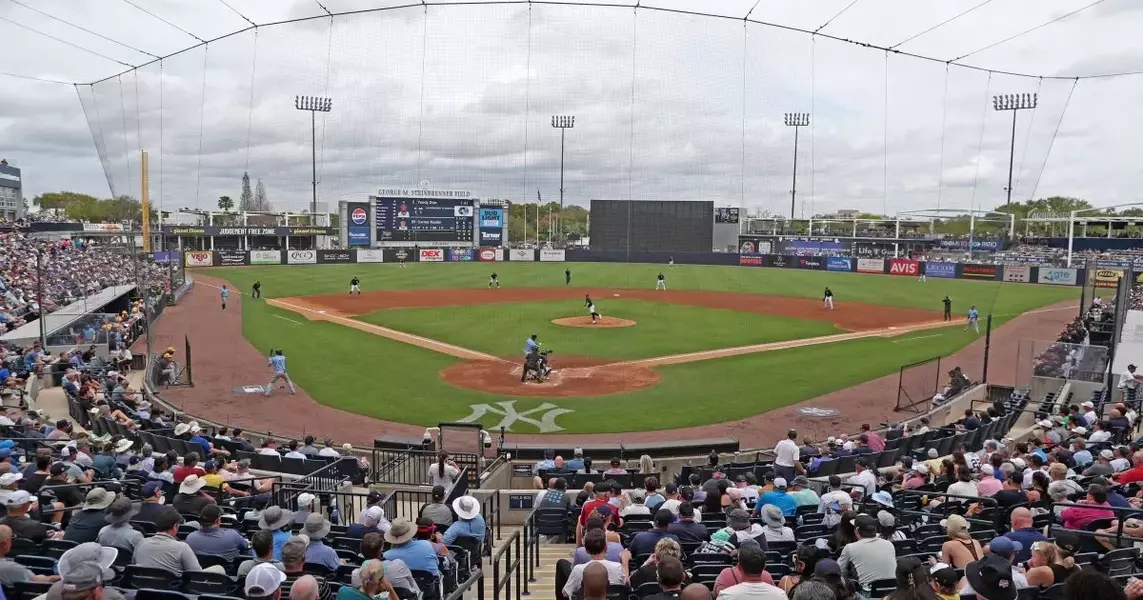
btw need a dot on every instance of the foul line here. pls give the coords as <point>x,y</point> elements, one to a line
<point>290,320</point>
<point>920,337</point>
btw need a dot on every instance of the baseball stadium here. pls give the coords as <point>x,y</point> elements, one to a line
<point>592,300</point>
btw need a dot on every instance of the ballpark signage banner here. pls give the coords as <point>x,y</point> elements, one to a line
<point>979,271</point>
<point>199,258</point>
<point>549,255</point>
<point>781,260</point>
<point>461,254</point>
<point>1104,278</point>
<point>751,260</point>
<point>754,245</point>
<point>431,255</point>
<point>272,231</point>
<point>266,257</point>
<point>162,258</point>
<point>726,215</point>
<point>491,225</point>
<point>229,258</point>
<point>986,245</point>
<point>870,265</point>
<point>942,270</point>
<point>837,263</point>
<point>1018,273</point>
<point>903,266</point>
<point>812,262</point>
<point>521,254</point>
<point>326,257</point>
<point>358,227</point>
<point>490,254</point>
<point>1056,276</point>
<point>301,257</point>
<point>370,256</point>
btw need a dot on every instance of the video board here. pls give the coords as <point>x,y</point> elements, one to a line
<point>408,219</point>
<point>652,225</point>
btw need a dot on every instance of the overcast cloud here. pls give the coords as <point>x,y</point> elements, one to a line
<point>667,106</point>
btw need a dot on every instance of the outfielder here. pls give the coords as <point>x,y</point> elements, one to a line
<point>827,299</point>
<point>278,361</point>
<point>973,319</point>
<point>661,283</point>
<point>494,280</point>
<point>224,294</point>
<point>595,316</point>
<point>921,269</point>
<point>355,286</point>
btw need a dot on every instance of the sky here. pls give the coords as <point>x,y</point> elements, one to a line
<point>667,105</point>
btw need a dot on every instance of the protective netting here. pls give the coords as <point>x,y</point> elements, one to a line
<point>668,106</point>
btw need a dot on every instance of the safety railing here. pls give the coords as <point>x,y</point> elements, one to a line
<point>507,566</point>
<point>475,580</point>
<point>491,510</point>
<point>531,550</point>
<point>411,466</point>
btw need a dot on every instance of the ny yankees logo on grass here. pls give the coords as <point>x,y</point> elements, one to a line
<point>546,411</point>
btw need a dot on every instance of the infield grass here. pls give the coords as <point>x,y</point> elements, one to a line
<point>367,374</point>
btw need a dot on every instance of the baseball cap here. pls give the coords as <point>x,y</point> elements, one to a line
<point>263,580</point>
<point>1107,454</point>
<point>1088,404</point>
<point>18,498</point>
<point>865,524</point>
<point>8,479</point>
<point>151,487</point>
<point>1004,545</point>
<point>1046,424</point>
<point>58,469</point>
<point>780,482</point>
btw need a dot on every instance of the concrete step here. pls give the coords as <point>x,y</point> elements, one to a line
<point>544,586</point>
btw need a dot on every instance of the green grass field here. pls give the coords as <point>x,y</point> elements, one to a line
<point>367,374</point>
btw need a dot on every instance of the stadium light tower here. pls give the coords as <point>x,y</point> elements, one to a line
<point>797,121</point>
<point>1014,103</point>
<point>314,104</point>
<point>563,123</point>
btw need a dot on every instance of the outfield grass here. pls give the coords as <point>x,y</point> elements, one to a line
<point>364,373</point>
<point>662,328</point>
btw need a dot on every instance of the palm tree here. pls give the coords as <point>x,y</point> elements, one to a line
<point>225,203</point>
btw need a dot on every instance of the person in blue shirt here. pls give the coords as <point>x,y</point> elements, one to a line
<point>278,521</point>
<point>316,528</point>
<point>530,344</point>
<point>89,333</point>
<point>469,524</point>
<point>196,438</point>
<point>973,319</point>
<point>418,555</point>
<point>778,497</point>
<point>575,464</point>
<point>31,357</point>
<point>278,362</point>
<point>224,294</point>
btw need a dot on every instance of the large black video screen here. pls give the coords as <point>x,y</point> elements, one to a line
<point>652,225</point>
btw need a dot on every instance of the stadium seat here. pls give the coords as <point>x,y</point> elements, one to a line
<point>138,578</point>
<point>204,582</point>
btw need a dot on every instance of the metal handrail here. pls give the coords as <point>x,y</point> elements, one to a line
<point>511,548</point>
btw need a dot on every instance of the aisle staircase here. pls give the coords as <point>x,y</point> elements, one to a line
<point>544,586</point>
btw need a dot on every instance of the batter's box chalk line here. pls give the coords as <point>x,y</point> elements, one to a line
<point>558,376</point>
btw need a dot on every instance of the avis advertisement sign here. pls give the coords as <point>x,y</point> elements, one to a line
<point>301,257</point>
<point>903,266</point>
<point>1056,276</point>
<point>549,255</point>
<point>940,270</point>
<point>461,254</point>
<point>751,260</point>
<point>199,258</point>
<point>979,271</point>
<point>870,265</point>
<point>1017,273</point>
<point>431,255</point>
<point>490,254</point>
<point>837,263</point>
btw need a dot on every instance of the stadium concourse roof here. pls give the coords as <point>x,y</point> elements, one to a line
<point>64,317</point>
<point>83,42</point>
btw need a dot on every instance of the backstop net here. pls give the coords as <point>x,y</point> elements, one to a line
<point>917,384</point>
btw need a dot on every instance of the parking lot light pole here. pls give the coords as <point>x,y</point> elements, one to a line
<point>313,104</point>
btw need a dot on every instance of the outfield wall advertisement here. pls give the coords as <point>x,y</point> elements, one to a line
<point>1017,273</point>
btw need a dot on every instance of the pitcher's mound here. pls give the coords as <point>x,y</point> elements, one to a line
<point>586,322</point>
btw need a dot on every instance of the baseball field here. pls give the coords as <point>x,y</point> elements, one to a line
<point>431,342</point>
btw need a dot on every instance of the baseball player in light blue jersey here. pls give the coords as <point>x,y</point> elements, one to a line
<point>973,319</point>
<point>224,294</point>
<point>278,361</point>
<point>530,344</point>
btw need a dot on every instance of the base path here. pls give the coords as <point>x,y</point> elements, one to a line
<point>849,315</point>
<point>223,360</point>
<point>602,323</point>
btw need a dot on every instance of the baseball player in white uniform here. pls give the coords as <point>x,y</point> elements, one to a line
<point>595,316</point>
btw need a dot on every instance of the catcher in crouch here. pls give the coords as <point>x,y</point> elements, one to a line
<point>536,362</point>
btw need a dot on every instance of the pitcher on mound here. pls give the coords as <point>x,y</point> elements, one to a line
<point>595,316</point>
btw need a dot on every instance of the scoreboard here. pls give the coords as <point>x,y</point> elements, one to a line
<point>411,219</point>
<point>652,225</point>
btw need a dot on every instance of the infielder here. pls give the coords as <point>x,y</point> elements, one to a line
<point>827,299</point>
<point>567,276</point>
<point>948,308</point>
<point>224,294</point>
<point>494,280</point>
<point>595,316</point>
<point>661,283</point>
<point>278,361</point>
<point>256,290</point>
<point>973,319</point>
<point>355,286</point>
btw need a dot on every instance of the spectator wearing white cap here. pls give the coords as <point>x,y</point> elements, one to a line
<point>1089,416</point>
<point>264,582</point>
<point>1102,465</point>
<point>372,520</point>
<point>18,504</point>
<point>9,482</point>
<point>306,505</point>
<point>988,484</point>
<point>917,476</point>
<point>777,497</point>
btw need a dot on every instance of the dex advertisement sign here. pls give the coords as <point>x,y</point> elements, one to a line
<point>903,266</point>
<point>199,258</point>
<point>301,257</point>
<point>265,257</point>
<point>1056,276</point>
<point>431,255</point>
<point>1017,273</point>
<point>837,263</point>
<point>940,270</point>
<point>870,265</point>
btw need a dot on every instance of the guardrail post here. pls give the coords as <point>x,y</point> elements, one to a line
<point>519,565</point>
<point>496,577</point>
